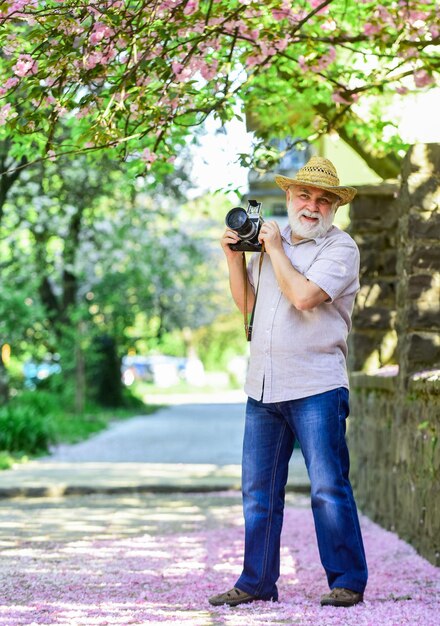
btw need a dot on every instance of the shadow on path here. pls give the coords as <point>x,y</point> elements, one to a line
<point>139,559</point>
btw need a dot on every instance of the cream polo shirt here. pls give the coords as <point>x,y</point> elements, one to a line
<point>294,354</point>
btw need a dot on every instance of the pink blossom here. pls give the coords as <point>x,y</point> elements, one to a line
<point>338,97</point>
<point>324,61</point>
<point>19,5</point>
<point>166,5</point>
<point>176,67</point>
<point>385,16</point>
<point>253,60</point>
<point>99,32</point>
<point>316,3</point>
<point>303,63</point>
<point>402,90</point>
<point>191,7</point>
<point>422,78</point>
<point>281,44</point>
<point>5,113</point>
<point>9,84</point>
<point>283,12</point>
<point>92,60</point>
<point>371,29</point>
<point>116,575</point>
<point>181,72</point>
<point>297,17</point>
<point>148,156</point>
<point>25,66</point>
<point>83,112</point>
<point>279,14</point>
<point>208,71</point>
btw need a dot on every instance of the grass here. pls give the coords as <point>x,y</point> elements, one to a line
<point>143,389</point>
<point>35,420</point>
<point>72,428</point>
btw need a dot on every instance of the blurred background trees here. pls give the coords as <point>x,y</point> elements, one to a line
<point>105,251</point>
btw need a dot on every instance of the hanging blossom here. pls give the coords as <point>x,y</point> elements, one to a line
<point>25,66</point>
<point>148,157</point>
<point>100,32</point>
<point>6,113</point>
<point>191,7</point>
<point>343,97</point>
<point>9,84</point>
<point>422,78</point>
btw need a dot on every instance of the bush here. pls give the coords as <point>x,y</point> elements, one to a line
<point>27,423</point>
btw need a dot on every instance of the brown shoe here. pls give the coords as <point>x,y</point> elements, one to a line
<point>234,597</point>
<point>341,597</point>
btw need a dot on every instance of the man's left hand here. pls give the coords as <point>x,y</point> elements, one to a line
<point>271,236</point>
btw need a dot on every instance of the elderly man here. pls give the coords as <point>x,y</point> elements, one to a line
<point>298,386</point>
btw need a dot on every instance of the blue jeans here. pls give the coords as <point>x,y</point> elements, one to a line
<point>318,423</point>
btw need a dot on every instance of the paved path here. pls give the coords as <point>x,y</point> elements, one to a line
<point>148,559</point>
<point>185,447</point>
<point>109,555</point>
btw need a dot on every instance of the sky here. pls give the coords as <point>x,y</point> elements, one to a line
<point>215,159</point>
<point>215,163</point>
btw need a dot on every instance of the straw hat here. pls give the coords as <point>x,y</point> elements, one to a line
<point>320,173</point>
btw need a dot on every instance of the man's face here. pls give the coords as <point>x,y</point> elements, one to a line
<point>310,210</point>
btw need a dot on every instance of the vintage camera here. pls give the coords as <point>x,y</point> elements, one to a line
<point>247,225</point>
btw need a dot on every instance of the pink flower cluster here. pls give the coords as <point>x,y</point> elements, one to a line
<point>207,69</point>
<point>100,32</point>
<point>344,97</point>
<point>25,66</point>
<point>191,7</point>
<point>317,63</point>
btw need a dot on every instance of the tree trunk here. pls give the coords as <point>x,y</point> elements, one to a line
<point>4,383</point>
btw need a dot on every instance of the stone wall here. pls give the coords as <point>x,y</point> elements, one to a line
<point>394,351</point>
<point>418,265</point>
<point>395,458</point>
<point>373,224</point>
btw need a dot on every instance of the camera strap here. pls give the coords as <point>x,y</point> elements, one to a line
<point>249,322</point>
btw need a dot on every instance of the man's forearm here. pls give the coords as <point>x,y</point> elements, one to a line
<point>237,285</point>
<point>302,293</point>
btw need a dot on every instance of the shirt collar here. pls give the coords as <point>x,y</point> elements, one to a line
<point>287,232</point>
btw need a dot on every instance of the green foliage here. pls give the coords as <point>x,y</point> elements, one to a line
<point>34,420</point>
<point>134,77</point>
<point>218,343</point>
<point>7,460</point>
<point>27,423</point>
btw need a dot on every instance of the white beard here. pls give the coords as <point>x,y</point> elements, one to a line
<point>313,229</point>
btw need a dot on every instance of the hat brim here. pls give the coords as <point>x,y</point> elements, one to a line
<point>345,194</point>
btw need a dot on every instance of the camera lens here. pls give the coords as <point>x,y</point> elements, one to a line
<point>237,219</point>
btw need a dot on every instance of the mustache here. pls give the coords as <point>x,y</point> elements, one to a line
<point>307,213</point>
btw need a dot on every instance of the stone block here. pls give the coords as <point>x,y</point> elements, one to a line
<point>361,345</point>
<point>376,291</point>
<point>419,319</point>
<point>374,318</point>
<point>425,257</point>
<point>422,351</point>
<point>378,261</point>
<point>369,207</point>
<point>424,225</point>
<point>420,188</point>
<point>426,285</point>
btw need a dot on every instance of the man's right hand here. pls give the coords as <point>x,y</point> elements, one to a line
<point>229,236</point>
